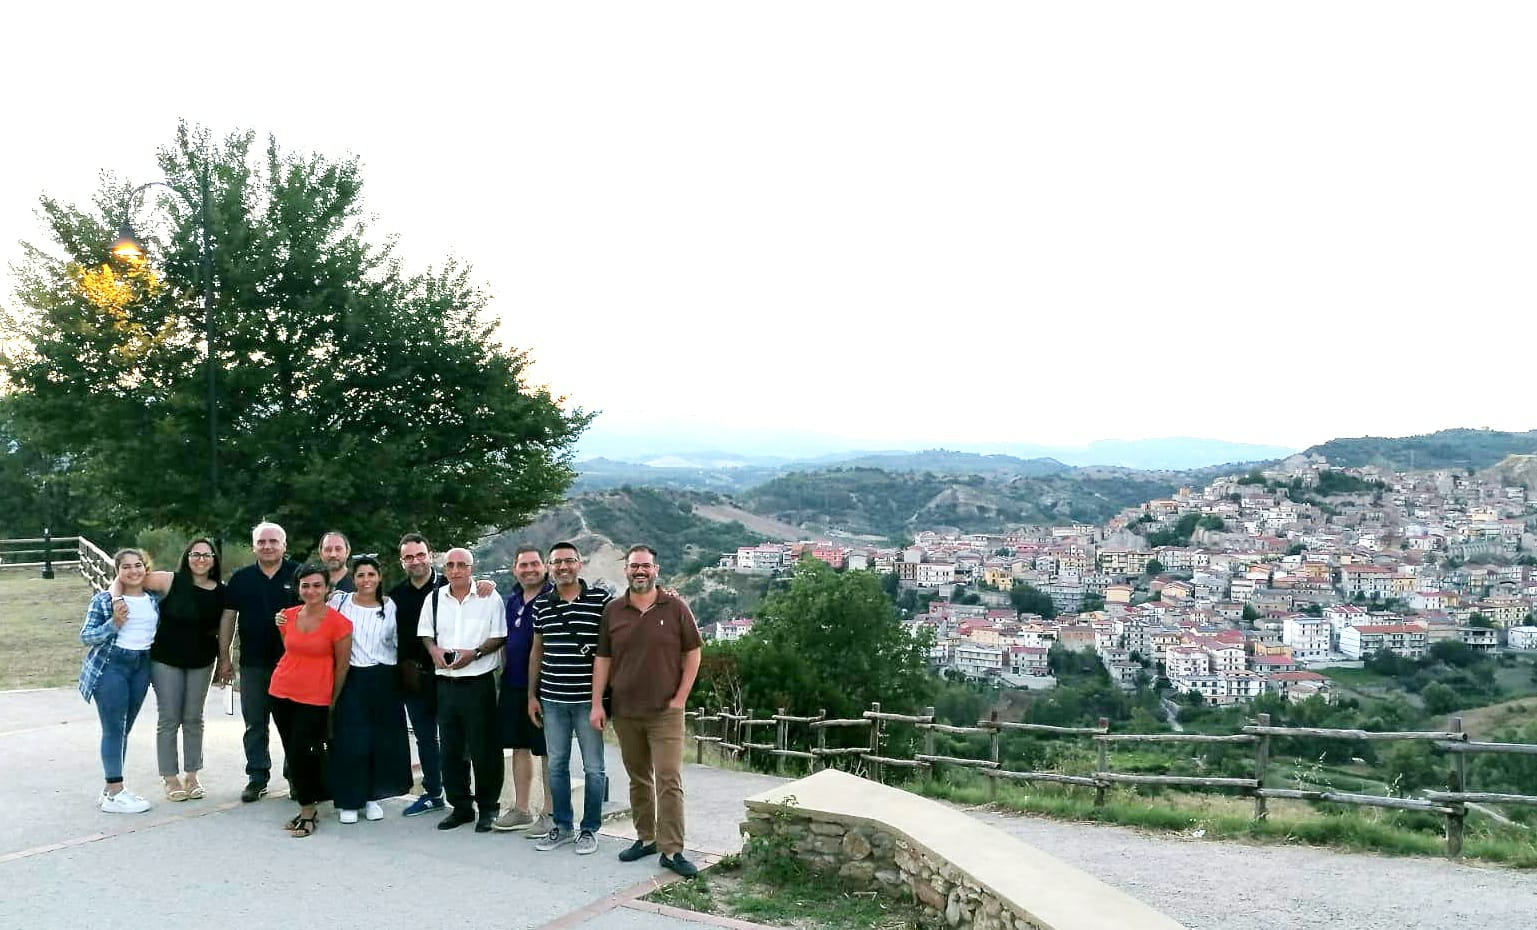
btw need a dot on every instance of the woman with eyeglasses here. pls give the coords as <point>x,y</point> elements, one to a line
<point>119,627</point>
<point>181,662</point>
<point>370,755</point>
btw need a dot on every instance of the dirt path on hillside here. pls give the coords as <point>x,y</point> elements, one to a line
<point>765,526</point>
<point>1221,885</point>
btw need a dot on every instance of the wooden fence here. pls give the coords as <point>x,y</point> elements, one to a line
<point>734,733</point>
<point>49,552</point>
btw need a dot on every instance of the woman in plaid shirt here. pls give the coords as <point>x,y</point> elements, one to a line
<point>119,629</point>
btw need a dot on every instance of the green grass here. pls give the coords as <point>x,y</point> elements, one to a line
<point>789,899</point>
<point>40,628</point>
<point>1226,816</point>
<point>1360,678</point>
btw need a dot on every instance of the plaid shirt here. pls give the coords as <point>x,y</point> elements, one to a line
<point>101,635</point>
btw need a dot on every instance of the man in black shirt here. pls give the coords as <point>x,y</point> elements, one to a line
<point>253,596</point>
<point>335,550</point>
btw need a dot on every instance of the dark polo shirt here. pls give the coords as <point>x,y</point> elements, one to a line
<point>409,600</point>
<point>256,599</point>
<point>645,652</point>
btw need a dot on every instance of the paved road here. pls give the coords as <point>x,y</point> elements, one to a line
<point>65,864</point>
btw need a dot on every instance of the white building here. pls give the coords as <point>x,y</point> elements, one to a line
<point>1308,637</point>
<point>1521,637</point>
<point>1405,639</point>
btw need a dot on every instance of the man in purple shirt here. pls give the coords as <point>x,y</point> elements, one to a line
<point>519,733</point>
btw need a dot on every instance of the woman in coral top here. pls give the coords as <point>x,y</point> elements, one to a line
<point>317,647</point>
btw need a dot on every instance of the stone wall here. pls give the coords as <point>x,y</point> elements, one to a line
<point>868,856</point>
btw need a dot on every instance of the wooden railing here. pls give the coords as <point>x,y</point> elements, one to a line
<point>733,738</point>
<point>49,552</point>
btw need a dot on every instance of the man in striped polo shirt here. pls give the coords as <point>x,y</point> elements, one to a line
<point>566,622</point>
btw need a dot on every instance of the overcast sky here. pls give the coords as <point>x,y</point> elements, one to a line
<point>888,222</point>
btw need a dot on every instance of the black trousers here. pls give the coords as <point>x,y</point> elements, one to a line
<point>471,733</point>
<point>302,727</point>
<point>370,753</point>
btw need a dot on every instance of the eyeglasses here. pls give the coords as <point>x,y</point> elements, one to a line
<point>457,564</point>
<point>637,566</point>
<point>565,561</point>
<point>419,557</point>
<point>200,555</point>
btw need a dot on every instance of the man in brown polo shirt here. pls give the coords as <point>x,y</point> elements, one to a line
<point>648,650</point>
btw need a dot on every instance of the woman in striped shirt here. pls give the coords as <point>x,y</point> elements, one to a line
<point>370,755</point>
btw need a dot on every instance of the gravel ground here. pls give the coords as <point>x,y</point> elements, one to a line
<point>1208,884</point>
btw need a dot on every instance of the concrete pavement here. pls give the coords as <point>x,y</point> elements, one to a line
<point>64,863</point>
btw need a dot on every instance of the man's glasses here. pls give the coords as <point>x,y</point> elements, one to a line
<point>457,564</point>
<point>565,561</point>
<point>638,566</point>
<point>419,557</point>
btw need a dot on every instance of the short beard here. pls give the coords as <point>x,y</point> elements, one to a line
<point>642,585</point>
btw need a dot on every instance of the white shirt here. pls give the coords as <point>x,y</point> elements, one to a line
<point>138,632</point>
<point>462,625</point>
<point>374,635</point>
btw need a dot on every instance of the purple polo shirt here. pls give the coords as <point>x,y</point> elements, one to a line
<point>520,636</point>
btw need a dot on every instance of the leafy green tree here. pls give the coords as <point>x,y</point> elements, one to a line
<point>350,392</point>
<point>1028,599</point>
<point>1439,698</point>
<point>834,641</point>
<point>1092,602</point>
<point>1249,613</point>
<point>1154,567</point>
<point>1410,767</point>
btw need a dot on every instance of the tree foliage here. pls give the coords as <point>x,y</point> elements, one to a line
<point>824,640</point>
<point>351,392</point>
<point>1028,599</point>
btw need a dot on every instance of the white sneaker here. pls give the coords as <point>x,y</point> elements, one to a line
<point>373,811</point>
<point>347,816</point>
<point>124,802</point>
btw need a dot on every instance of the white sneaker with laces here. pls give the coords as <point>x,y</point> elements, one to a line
<point>124,802</point>
<point>347,816</point>
<point>373,811</point>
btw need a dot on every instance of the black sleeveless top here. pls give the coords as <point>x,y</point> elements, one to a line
<point>188,635</point>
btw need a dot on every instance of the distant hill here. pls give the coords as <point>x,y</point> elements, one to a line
<point>600,474</point>
<point>946,462</point>
<point>873,501</point>
<point>1452,448</point>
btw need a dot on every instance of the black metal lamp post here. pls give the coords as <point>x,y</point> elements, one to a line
<point>127,247</point>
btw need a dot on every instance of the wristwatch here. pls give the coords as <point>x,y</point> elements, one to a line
<point>479,654</point>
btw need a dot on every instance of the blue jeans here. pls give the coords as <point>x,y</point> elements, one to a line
<point>560,722</point>
<point>423,713</point>
<point>119,694</point>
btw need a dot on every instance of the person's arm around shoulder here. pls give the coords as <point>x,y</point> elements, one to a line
<point>159,582</point>
<point>427,631</point>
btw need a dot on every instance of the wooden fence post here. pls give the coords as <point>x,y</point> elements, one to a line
<point>781,737</point>
<point>875,739</point>
<point>698,743</point>
<point>1103,764</point>
<point>1261,764</point>
<point>1457,780</point>
<point>997,751</point>
<point>746,731</point>
<point>817,758</point>
<point>928,745</point>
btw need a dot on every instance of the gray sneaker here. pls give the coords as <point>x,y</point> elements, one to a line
<point>540,828</point>
<point>555,839</point>
<point>586,843</point>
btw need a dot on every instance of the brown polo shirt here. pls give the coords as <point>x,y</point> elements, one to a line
<point>645,652</point>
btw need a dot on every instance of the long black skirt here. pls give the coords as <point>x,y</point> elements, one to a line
<point>370,752</point>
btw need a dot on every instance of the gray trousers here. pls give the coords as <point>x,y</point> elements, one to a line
<point>179,695</point>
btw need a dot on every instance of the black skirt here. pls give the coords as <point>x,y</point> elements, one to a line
<point>370,753</point>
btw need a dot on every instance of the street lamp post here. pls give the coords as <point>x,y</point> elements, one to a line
<point>127,247</point>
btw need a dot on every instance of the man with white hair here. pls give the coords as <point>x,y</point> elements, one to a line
<point>253,597</point>
<point>464,632</point>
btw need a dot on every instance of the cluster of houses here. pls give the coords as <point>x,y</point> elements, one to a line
<point>1278,580</point>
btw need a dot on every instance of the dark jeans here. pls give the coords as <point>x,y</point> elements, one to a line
<point>256,709</point>
<point>370,755</point>
<point>422,709</point>
<point>119,694</point>
<point>471,740</point>
<point>302,727</point>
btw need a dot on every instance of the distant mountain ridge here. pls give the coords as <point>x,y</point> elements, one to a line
<point>1449,448</point>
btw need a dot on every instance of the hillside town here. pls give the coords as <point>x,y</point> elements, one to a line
<point>1246,587</point>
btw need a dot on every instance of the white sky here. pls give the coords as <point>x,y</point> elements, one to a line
<point>920,223</point>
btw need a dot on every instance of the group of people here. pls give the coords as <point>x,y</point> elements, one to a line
<point>340,666</point>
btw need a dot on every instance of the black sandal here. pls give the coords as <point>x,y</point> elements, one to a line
<point>293,824</point>
<point>306,826</point>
